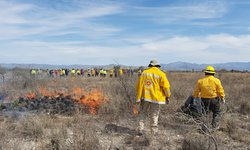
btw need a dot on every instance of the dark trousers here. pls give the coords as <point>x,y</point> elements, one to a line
<point>212,104</point>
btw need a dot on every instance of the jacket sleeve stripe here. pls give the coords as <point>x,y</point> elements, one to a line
<point>151,75</point>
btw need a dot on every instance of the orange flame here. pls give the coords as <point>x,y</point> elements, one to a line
<point>45,92</point>
<point>30,95</point>
<point>77,93</point>
<point>93,100</point>
<point>135,109</point>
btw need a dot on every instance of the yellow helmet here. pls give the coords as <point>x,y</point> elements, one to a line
<point>210,69</point>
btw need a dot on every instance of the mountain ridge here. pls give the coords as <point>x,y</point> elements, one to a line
<point>174,66</point>
<point>185,66</point>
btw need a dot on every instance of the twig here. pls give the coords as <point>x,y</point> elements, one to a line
<point>203,124</point>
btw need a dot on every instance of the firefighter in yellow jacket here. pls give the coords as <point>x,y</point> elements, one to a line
<point>153,89</point>
<point>211,92</point>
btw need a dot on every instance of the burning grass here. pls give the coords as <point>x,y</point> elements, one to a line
<point>61,101</point>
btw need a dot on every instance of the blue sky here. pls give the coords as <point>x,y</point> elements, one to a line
<point>129,32</point>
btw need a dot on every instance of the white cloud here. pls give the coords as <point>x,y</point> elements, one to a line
<point>94,11</point>
<point>10,13</point>
<point>230,41</point>
<point>19,20</point>
<point>81,34</point>
<point>168,14</point>
<point>182,44</point>
<point>211,48</point>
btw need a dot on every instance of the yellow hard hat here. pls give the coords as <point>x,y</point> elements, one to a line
<point>210,69</point>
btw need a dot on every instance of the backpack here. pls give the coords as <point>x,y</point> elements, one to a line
<point>193,106</point>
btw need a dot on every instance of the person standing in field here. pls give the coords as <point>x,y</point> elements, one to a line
<point>111,72</point>
<point>153,90</point>
<point>82,72</point>
<point>211,92</point>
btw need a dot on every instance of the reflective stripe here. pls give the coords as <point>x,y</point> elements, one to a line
<point>153,101</point>
<point>151,75</point>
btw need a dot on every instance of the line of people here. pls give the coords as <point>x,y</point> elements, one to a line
<point>93,72</point>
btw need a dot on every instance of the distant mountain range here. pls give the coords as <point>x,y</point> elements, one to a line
<point>181,66</point>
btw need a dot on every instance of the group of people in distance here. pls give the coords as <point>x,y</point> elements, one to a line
<point>93,72</point>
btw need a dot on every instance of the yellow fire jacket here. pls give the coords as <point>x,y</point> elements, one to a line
<point>120,72</point>
<point>33,72</point>
<point>208,87</point>
<point>153,86</point>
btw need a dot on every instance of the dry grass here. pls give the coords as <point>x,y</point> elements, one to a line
<point>85,131</point>
<point>46,132</point>
<point>197,142</point>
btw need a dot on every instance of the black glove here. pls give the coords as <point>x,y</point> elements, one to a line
<point>167,100</point>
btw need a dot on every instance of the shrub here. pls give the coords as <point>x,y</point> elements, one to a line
<point>197,142</point>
